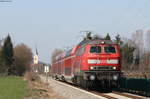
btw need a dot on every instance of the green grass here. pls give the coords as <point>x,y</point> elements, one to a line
<point>12,88</point>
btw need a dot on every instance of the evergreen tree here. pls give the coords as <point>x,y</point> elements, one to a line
<point>127,56</point>
<point>118,40</point>
<point>7,55</point>
<point>3,68</point>
<point>107,37</point>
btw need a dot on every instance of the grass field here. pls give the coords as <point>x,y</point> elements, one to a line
<point>12,88</point>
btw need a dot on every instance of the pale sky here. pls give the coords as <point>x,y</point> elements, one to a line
<point>51,24</point>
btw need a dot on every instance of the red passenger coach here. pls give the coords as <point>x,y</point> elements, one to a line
<point>90,63</point>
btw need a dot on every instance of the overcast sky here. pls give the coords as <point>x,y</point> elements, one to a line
<point>51,24</point>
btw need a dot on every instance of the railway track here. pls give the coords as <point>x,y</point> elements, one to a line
<point>97,94</point>
<point>109,94</point>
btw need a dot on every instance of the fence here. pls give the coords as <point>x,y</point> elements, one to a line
<point>138,86</point>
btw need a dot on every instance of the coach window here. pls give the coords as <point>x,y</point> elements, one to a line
<point>95,49</point>
<point>110,49</point>
<point>68,53</point>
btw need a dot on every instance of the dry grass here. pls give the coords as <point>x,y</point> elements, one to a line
<point>136,74</point>
<point>39,90</point>
<point>30,76</point>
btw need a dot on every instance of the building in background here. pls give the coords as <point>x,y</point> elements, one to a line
<point>37,66</point>
<point>36,58</point>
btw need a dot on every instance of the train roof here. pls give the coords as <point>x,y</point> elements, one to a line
<point>83,43</point>
<point>95,41</point>
<point>67,53</point>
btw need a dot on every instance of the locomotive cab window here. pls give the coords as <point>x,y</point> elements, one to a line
<point>110,49</point>
<point>95,49</point>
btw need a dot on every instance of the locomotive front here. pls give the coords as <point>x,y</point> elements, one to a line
<point>101,63</point>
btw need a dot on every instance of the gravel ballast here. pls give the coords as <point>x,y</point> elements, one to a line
<point>67,91</point>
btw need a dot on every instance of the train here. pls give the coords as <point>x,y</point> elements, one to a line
<point>91,63</point>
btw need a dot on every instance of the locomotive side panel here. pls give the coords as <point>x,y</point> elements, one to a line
<point>67,65</point>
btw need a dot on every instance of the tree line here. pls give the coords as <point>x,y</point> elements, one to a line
<point>14,60</point>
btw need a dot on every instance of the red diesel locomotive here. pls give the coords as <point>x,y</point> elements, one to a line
<point>90,63</point>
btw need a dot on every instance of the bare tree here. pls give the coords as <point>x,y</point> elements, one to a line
<point>23,58</point>
<point>147,53</point>
<point>55,53</point>
<point>147,45</point>
<point>138,39</point>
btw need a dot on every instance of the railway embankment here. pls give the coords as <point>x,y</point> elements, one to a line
<point>68,91</point>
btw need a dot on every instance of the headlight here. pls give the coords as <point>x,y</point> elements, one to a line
<point>114,68</point>
<point>91,67</point>
<point>92,77</point>
<point>102,42</point>
<point>115,77</point>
